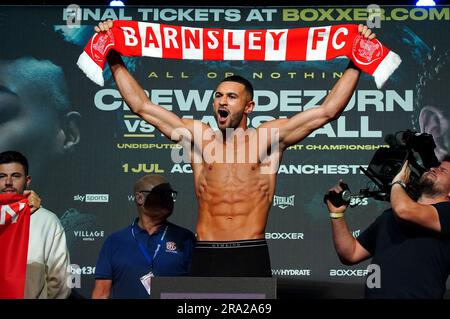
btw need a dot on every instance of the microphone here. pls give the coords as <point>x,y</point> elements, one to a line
<point>347,196</point>
<point>339,199</point>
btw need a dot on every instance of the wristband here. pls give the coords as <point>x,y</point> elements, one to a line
<point>336,215</point>
<point>400,183</point>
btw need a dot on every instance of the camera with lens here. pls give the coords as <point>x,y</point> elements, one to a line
<point>417,148</point>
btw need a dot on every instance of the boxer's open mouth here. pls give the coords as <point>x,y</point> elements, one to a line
<point>222,115</point>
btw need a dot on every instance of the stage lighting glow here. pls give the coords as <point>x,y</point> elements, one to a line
<point>425,3</point>
<point>116,3</point>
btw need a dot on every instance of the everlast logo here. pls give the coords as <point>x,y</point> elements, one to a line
<point>283,201</point>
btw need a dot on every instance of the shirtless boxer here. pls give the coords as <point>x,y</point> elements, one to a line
<point>234,197</point>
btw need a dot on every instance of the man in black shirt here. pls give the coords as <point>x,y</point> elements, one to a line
<point>409,242</point>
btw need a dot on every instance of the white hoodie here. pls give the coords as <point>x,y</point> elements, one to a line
<point>48,258</point>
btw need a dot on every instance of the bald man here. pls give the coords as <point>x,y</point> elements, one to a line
<point>150,246</point>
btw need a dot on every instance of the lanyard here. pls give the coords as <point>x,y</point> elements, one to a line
<point>144,249</point>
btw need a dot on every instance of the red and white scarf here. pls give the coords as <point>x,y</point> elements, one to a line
<point>14,236</point>
<point>133,38</point>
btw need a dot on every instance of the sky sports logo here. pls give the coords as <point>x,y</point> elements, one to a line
<point>92,198</point>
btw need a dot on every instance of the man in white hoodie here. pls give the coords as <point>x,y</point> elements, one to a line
<point>48,256</point>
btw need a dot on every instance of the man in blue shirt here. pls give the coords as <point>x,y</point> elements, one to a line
<point>150,246</point>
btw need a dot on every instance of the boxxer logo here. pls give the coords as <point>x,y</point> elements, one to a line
<point>290,236</point>
<point>348,272</point>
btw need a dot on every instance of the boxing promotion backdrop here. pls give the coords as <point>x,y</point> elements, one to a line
<point>87,149</point>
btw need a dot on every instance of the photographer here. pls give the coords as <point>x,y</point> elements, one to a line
<point>409,242</point>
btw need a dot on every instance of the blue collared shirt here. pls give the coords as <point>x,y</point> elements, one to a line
<point>122,261</point>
